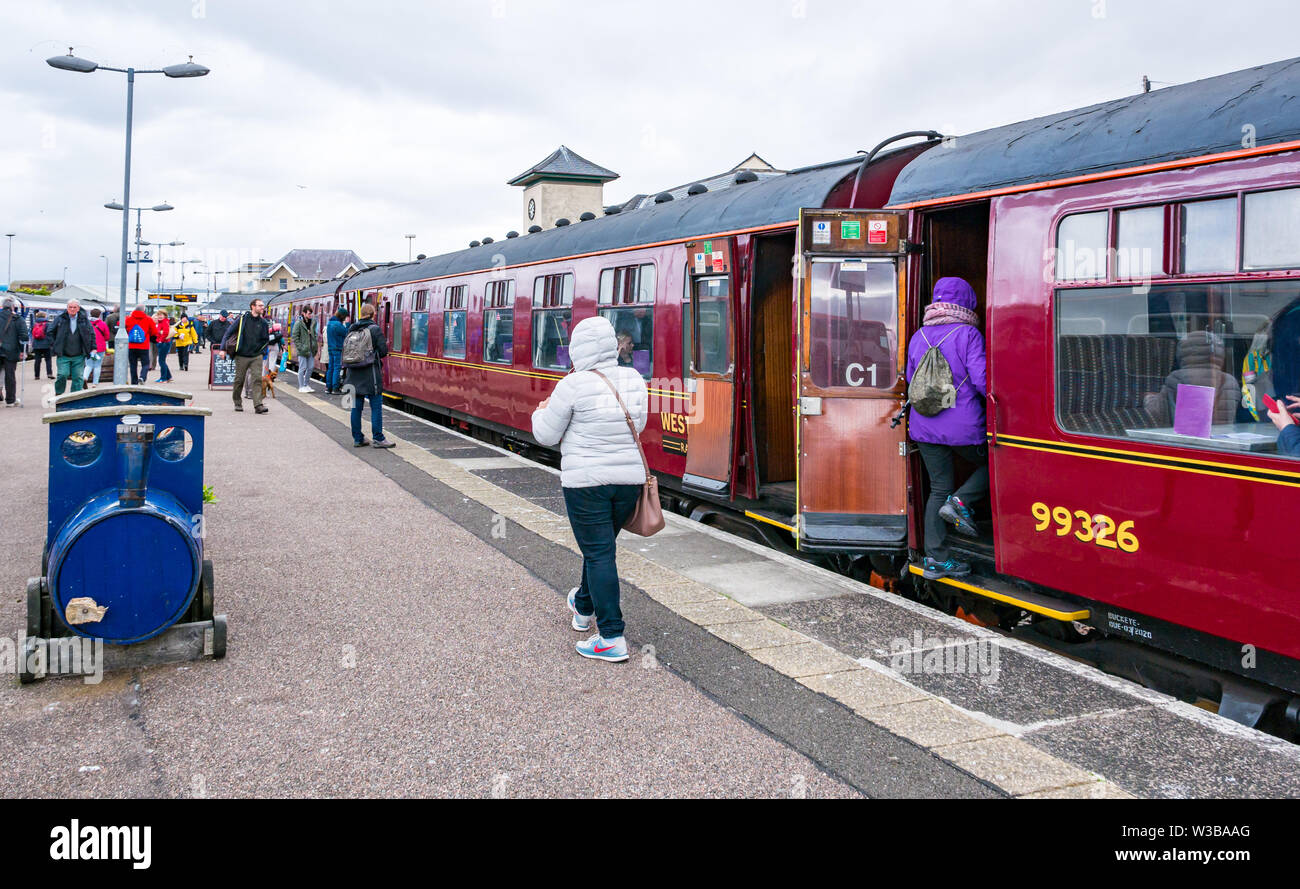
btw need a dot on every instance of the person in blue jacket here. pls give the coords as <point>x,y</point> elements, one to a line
<point>1288,436</point>
<point>335,332</point>
<point>951,325</point>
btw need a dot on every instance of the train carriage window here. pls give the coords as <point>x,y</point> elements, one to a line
<point>1139,242</point>
<point>1178,364</point>
<point>712,339</point>
<point>453,334</point>
<point>550,291</point>
<point>1082,242</point>
<point>853,324</point>
<point>499,336</point>
<point>397,323</point>
<point>635,329</point>
<point>1271,236</point>
<point>1209,236</point>
<point>551,329</point>
<point>419,333</point>
<point>627,284</point>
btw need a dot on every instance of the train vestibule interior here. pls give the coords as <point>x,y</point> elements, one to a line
<point>772,348</point>
<point>956,244</point>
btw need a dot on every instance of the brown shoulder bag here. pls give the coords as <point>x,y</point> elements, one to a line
<point>648,518</point>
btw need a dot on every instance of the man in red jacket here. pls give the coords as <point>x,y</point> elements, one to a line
<point>140,331</point>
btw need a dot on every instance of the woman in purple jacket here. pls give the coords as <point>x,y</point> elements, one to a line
<point>951,324</point>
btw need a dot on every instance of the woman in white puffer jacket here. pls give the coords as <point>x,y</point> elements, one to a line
<point>601,472</point>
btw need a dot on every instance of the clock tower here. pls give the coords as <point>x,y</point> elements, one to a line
<point>562,186</point>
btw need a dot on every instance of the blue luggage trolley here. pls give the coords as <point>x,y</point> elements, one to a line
<point>124,561</point>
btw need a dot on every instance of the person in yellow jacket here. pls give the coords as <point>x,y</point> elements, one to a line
<point>184,336</point>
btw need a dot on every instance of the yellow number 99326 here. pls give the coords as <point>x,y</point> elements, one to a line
<point>1099,529</point>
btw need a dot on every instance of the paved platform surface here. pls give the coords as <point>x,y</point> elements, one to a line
<point>397,627</point>
<point>1023,720</point>
<point>376,649</point>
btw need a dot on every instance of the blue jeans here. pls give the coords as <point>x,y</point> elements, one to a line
<point>597,514</point>
<point>164,372</point>
<point>335,367</point>
<point>376,416</point>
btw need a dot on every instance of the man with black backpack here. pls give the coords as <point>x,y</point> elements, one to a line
<point>946,391</point>
<point>364,349</point>
<point>247,338</point>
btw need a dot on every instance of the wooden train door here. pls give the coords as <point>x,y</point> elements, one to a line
<point>851,482</point>
<point>711,384</point>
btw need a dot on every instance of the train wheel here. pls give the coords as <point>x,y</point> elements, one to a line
<point>34,606</point>
<point>206,591</point>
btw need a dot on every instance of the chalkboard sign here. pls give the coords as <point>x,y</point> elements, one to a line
<point>221,372</point>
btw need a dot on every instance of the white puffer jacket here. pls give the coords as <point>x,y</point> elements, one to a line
<point>584,417</point>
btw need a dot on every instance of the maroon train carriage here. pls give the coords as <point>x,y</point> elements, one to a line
<point>1118,251</point>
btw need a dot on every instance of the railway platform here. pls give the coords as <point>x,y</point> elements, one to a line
<point>397,628</point>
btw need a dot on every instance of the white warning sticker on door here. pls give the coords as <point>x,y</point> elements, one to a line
<point>821,231</point>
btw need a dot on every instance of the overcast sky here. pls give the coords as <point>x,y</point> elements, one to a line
<point>348,124</point>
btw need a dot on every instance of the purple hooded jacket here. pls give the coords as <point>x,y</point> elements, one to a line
<point>963,346</point>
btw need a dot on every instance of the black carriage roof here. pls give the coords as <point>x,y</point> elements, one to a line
<point>742,206</point>
<point>325,288</point>
<point>1177,122</point>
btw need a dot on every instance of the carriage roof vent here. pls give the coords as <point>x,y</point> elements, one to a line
<point>511,234</point>
<point>746,176</point>
<point>663,197</point>
<point>587,216</point>
<point>534,229</point>
<point>697,188</point>
<point>473,243</point>
<point>487,240</point>
<point>420,256</point>
<point>561,222</point>
<point>613,209</point>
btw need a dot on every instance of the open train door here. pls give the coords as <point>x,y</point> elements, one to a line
<point>852,470</point>
<point>712,380</point>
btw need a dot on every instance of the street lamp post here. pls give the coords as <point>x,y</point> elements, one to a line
<point>410,242</point>
<point>9,270</point>
<point>85,66</point>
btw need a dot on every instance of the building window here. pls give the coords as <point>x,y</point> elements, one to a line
<point>499,336</point>
<point>453,334</point>
<point>551,338</point>
<point>1177,364</point>
<point>284,283</point>
<point>553,290</point>
<point>627,284</point>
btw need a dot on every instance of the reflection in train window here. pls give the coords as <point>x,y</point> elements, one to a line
<point>419,333</point>
<point>1179,364</point>
<point>551,338</point>
<point>712,340</point>
<point>453,334</point>
<point>634,328</point>
<point>499,336</point>
<point>853,324</point>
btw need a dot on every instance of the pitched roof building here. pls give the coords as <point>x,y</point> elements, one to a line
<point>563,185</point>
<point>300,267</point>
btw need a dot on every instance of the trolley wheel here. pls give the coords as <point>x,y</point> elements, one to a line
<point>205,591</point>
<point>25,657</point>
<point>218,636</point>
<point>34,606</point>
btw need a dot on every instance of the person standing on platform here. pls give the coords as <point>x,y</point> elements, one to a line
<point>41,344</point>
<point>305,344</point>
<point>247,339</point>
<point>216,331</point>
<point>334,334</point>
<point>95,363</point>
<point>139,331</point>
<point>200,333</point>
<point>72,341</point>
<point>601,473</point>
<point>162,344</point>
<point>364,349</point>
<point>185,337</point>
<point>13,339</point>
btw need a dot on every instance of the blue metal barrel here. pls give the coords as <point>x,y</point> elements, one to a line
<point>125,517</point>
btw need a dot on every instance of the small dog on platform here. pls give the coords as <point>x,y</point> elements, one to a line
<point>268,382</point>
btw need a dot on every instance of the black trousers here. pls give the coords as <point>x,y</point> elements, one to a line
<point>49,363</point>
<point>938,464</point>
<point>183,357</point>
<point>139,366</point>
<point>10,366</point>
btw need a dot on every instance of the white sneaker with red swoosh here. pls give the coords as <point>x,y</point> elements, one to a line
<point>599,648</point>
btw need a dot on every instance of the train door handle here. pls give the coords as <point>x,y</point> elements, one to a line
<point>993,418</point>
